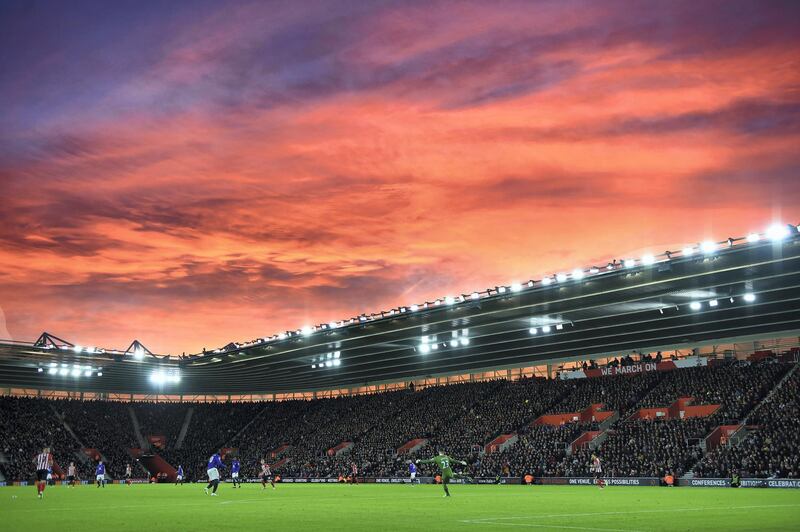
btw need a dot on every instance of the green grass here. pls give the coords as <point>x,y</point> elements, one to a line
<point>397,507</point>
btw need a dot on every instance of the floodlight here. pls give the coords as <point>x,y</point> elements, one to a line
<point>777,232</point>
<point>313,366</point>
<point>40,370</point>
<point>546,329</point>
<point>424,348</point>
<point>328,363</point>
<point>516,287</point>
<point>501,289</point>
<point>688,251</point>
<point>77,349</point>
<point>533,330</point>
<point>464,341</point>
<point>100,374</point>
<point>559,326</point>
<point>337,362</point>
<point>475,295</point>
<point>87,373</point>
<point>449,300</point>
<point>52,371</point>
<point>414,308</point>
<point>453,343</point>
<point>630,263</point>
<point>753,237</point>
<point>713,303</point>
<point>306,330</point>
<point>63,371</point>
<point>75,373</point>
<point>577,274</point>
<point>648,259</point>
<point>546,281</point>
<point>337,354</point>
<point>561,277</point>
<point>593,270</point>
<point>708,247</point>
<point>695,305</point>
<point>749,297</point>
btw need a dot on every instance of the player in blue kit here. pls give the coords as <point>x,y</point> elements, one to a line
<point>179,477</point>
<point>412,472</point>
<point>212,469</point>
<point>235,466</point>
<point>100,474</point>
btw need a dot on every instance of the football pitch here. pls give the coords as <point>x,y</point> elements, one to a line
<point>397,507</point>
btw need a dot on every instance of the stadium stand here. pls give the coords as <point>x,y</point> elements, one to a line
<point>323,437</point>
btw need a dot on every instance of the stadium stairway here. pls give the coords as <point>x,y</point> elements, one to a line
<point>137,430</point>
<point>80,455</point>
<point>412,446</point>
<point>155,465</point>
<point>343,447</point>
<point>583,439</point>
<point>184,428</point>
<point>500,443</point>
<point>775,388</point>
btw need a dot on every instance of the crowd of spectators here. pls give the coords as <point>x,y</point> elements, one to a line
<point>459,418</point>
<point>772,446</point>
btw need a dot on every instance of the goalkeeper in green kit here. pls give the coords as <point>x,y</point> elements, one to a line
<point>444,461</point>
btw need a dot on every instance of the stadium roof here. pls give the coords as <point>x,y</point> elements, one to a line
<point>732,291</point>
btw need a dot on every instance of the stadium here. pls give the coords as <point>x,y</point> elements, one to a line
<point>679,370</point>
<point>399,265</point>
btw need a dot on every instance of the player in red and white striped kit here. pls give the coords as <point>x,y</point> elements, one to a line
<point>266,475</point>
<point>43,461</point>
<point>597,468</point>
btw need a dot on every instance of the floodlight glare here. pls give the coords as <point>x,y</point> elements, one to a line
<point>414,308</point>
<point>648,259</point>
<point>453,343</point>
<point>328,363</point>
<point>630,263</point>
<point>337,354</point>
<point>695,305</point>
<point>777,232</point>
<point>87,373</point>
<point>332,325</point>
<point>77,349</point>
<point>53,365</point>
<point>424,348</point>
<point>749,297</point>
<point>577,274</point>
<point>52,371</point>
<point>516,287</point>
<point>138,353</point>
<point>337,362</point>
<point>688,251</point>
<point>63,371</point>
<point>546,329</point>
<point>708,247</point>
<point>753,237</point>
<point>306,330</point>
<point>449,300</point>
<point>464,332</point>
<point>533,330</point>
<point>464,341</point>
<point>546,281</point>
<point>593,270</point>
<point>561,277</point>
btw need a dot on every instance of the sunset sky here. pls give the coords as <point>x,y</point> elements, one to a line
<point>194,173</point>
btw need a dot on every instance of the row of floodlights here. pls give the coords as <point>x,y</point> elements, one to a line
<point>75,370</point>
<point>431,342</point>
<point>170,376</point>
<point>776,233</point>
<point>748,297</point>
<point>328,360</point>
<point>545,329</point>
